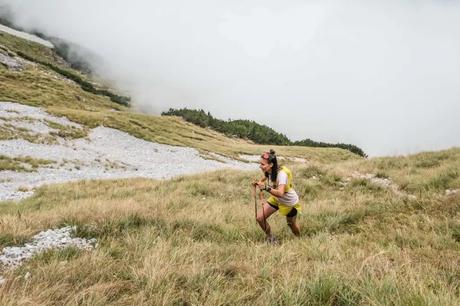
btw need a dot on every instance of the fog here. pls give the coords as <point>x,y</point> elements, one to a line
<point>383,75</point>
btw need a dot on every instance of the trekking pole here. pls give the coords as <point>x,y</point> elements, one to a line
<point>255,201</point>
<point>261,197</point>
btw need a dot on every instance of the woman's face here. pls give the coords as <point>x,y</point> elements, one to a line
<point>265,166</point>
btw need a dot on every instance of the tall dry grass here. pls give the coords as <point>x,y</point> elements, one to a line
<point>193,240</point>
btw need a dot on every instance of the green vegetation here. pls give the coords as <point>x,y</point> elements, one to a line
<point>66,131</point>
<point>10,129</point>
<point>38,85</point>
<point>190,240</point>
<point>44,56</point>
<point>194,240</point>
<point>31,49</point>
<point>252,130</point>
<point>23,164</point>
<point>247,129</point>
<point>62,48</point>
<point>421,173</point>
<point>310,143</point>
<point>175,131</point>
<point>85,85</point>
<point>65,50</point>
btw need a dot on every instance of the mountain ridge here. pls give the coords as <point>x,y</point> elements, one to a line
<point>376,231</point>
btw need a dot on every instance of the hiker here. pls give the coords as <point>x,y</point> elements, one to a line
<point>277,181</point>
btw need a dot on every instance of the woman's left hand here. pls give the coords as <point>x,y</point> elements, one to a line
<point>260,185</point>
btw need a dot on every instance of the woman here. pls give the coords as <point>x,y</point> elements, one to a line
<point>282,195</point>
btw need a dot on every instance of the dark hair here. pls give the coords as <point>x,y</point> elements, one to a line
<point>271,158</point>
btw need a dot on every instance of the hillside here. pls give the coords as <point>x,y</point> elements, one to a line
<point>249,129</point>
<point>38,85</point>
<point>379,231</point>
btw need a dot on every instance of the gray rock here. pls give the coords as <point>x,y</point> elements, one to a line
<point>106,154</point>
<point>60,238</point>
<point>10,62</point>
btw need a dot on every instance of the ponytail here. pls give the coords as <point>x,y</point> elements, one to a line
<point>271,158</point>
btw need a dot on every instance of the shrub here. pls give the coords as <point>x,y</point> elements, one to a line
<point>251,130</point>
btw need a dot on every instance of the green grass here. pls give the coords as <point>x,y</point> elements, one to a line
<point>22,164</point>
<point>9,129</point>
<point>175,131</point>
<point>419,173</point>
<point>38,85</point>
<point>48,58</point>
<point>66,131</point>
<point>193,240</point>
<point>34,50</point>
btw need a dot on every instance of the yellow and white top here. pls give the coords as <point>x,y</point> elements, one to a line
<point>290,198</point>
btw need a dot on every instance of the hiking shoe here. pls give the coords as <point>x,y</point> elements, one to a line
<point>272,240</point>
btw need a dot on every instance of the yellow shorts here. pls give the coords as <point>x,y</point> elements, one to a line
<point>284,209</point>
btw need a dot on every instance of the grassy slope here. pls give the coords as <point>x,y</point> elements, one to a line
<point>194,240</point>
<point>39,86</point>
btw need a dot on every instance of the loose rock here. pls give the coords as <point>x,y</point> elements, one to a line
<point>12,257</point>
<point>10,62</point>
<point>105,154</point>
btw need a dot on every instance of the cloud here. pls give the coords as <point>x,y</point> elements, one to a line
<point>381,75</point>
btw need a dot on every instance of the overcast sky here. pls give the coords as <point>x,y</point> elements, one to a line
<point>383,75</point>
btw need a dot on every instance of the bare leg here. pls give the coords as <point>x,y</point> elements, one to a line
<point>262,217</point>
<point>292,223</point>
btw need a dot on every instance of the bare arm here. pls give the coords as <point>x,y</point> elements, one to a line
<point>278,192</point>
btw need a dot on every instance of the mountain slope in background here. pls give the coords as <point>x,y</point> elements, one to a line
<point>248,129</point>
<point>380,231</point>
